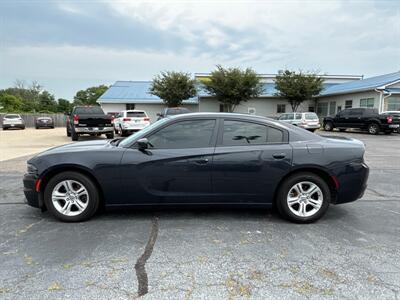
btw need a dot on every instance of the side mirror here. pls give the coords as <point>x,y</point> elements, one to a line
<point>159,115</point>
<point>143,143</point>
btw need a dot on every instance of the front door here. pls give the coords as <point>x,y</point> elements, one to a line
<point>249,161</point>
<point>177,166</point>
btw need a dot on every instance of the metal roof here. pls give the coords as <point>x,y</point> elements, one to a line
<point>133,92</point>
<point>362,85</point>
<point>138,92</point>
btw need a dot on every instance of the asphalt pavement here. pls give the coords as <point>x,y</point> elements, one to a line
<point>353,252</point>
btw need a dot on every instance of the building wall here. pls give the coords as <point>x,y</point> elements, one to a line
<point>266,107</point>
<point>338,101</point>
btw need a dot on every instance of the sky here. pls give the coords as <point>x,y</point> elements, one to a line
<point>71,45</point>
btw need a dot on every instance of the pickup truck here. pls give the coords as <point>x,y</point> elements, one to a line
<point>362,118</point>
<point>89,120</point>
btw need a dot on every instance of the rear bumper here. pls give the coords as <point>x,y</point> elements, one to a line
<point>390,126</point>
<point>93,130</point>
<point>44,125</point>
<point>13,125</point>
<point>134,127</point>
<point>31,196</point>
<point>353,183</point>
<point>310,126</point>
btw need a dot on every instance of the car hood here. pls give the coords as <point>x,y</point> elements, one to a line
<point>76,147</point>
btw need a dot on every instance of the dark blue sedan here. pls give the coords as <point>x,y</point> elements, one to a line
<point>201,159</point>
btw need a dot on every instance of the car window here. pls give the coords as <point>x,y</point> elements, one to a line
<point>238,133</point>
<point>88,110</point>
<point>289,116</point>
<point>311,116</point>
<point>356,112</point>
<point>184,134</point>
<point>12,116</point>
<point>136,114</point>
<point>282,117</point>
<point>298,116</point>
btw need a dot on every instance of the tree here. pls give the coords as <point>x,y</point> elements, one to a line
<point>232,86</point>
<point>63,106</point>
<point>297,87</point>
<point>90,95</point>
<point>9,103</point>
<point>46,102</point>
<point>173,87</point>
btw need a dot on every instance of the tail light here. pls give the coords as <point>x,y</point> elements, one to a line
<point>389,119</point>
<point>126,119</point>
<point>146,119</point>
<point>76,119</point>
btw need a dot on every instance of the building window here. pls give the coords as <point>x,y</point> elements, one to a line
<point>311,109</point>
<point>393,104</point>
<point>130,106</point>
<point>281,108</point>
<point>348,104</point>
<point>332,108</point>
<point>339,108</point>
<point>322,109</point>
<point>367,103</point>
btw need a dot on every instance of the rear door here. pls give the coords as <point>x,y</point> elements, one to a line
<point>355,118</point>
<point>249,161</point>
<point>342,118</point>
<point>177,166</point>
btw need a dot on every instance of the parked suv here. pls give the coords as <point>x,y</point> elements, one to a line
<point>363,118</point>
<point>89,120</point>
<point>306,120</point>
<point>128,121</point>
<point>13,121</point>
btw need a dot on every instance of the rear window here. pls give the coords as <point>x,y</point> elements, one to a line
<point>136,114</point>
<point>311,117</point>
<point>11,116</point>
<point>177,111</point>
<point>88,110</point>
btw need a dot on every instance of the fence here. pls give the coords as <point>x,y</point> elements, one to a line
<point>29,118</point>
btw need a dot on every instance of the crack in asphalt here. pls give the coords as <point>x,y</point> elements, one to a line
<point>141,274</point>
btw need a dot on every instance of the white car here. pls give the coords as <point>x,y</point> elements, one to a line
<point>306,120</point>
<point>128,121</point>
<point>13,121</point>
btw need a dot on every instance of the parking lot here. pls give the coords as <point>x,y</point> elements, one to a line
<point>353,252</point>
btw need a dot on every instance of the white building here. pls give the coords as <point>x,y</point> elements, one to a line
<point>381,91</point>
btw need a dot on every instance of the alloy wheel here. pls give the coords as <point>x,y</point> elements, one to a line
<point>70,197</point>
<point>305,199</point>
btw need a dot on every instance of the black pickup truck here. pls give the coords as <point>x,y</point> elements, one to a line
<point>89,120</point>
<point>362,118</point>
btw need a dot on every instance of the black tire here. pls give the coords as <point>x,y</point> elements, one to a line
<point>374,128</point>
<point>388,131</point>
<point>23,127</point>
<point>121,131</point>
<point>5,128</point>
<point>328,126</point>
<point>37,127</point>
<point>312,130</point>
<point>286,186</point>
<point>110,135</point>
<point>74,135</point>
<point>91,188</point>
<point>342,129</point>
<point>68,132</point>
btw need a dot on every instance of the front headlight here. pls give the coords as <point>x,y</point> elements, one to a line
<point>31,169</point>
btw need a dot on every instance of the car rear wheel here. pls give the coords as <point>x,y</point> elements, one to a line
<point>110,135</point>
<point>328,126</point>
<point>71,197</point>
<point>373,128</point>
<point>303,198</point>
<point>342,129</point>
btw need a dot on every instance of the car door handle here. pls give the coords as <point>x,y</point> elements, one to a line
<point>279,155</point>
<point>201,161</point>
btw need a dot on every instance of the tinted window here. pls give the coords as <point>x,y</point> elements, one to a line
<point>136,114</point>
<point>298,117</point>
<point>177,111</point>
<point>290,116</point>
<point>356,112</point>
<point>184,134</point>
<point>237,133</point>
<point>311,117</point>
<point>88,110</point>
<point>283,117</point>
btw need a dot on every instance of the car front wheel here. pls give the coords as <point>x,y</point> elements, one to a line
<point>71,197</point>
<point>303,198</point>
<point>373,128</point>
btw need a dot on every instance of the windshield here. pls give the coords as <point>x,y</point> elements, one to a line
<point>11,116</point>
<point>142,132</point>
<point>136,114</point>
<point>88,110</point>
<point>177,111</point>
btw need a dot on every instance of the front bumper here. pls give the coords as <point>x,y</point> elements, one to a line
<point>44,124</point>
<point>89,130</point>
<point>31,196</point>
